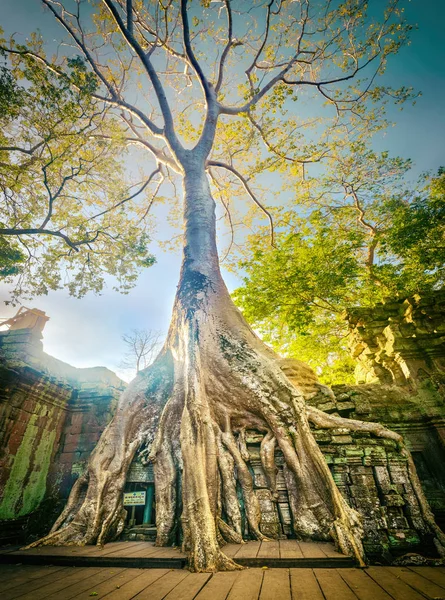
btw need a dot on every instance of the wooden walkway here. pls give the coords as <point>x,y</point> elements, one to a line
<point>375,583</point>
<point>280,553</point>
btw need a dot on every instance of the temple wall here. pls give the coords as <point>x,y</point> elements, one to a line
<point>418,415</point>
<point>400,342</point>
<point>51,416</point>
<point>400,352</point>
<point>372,476</point>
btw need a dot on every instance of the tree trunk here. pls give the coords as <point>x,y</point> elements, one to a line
<point>213,380</point>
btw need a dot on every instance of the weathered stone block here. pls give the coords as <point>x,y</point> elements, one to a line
<point>341,439</point>
<point>394,500</point>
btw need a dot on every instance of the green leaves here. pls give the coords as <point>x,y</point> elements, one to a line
<point>66,217</point>
<point>81,77</point>
<point>372,241</point>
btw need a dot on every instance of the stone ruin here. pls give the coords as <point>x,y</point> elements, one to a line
<point>401,342</point>
<point>52,415</point>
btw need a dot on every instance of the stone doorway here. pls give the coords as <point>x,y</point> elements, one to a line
<point>141,519</point>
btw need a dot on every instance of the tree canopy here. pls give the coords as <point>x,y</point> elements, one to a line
<point>285,80</point>
<point>359,235</point>
<point>70,214</point>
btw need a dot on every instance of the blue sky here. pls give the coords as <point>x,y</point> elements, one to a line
<point>88,332</point>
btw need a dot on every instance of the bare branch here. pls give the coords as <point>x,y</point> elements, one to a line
<point>113,101</point>
<point>226,48</point>
<point>38,231</point>
<point>130,16</point>
<point>190,54</point>
<point>169,129</point>
<point>29,151</point>
<point>121,202</point>
<point>216,163</point>
<point>153,197</point>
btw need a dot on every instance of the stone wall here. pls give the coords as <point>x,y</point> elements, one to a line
<point>400,342</point>
<point>51,416</point>
<point>418,415</point>
<point>372,476</point>
<point>400,351</point>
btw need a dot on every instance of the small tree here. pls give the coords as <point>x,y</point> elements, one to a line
<point>365,238</point>
<point>205,70</point>
<point>142,347</point>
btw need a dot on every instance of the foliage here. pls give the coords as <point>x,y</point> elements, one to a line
<point>288,78</point>
<point>374,240</point>
<point>65,220</point>
<point>417,234</point>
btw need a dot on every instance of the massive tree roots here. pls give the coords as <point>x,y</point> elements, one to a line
<point>213,380</point>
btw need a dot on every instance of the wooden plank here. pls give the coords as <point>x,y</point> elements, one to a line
<point>25,573</point>
<point>66,550</point>
<point>110,548</point>
<point>311,550</point>
<point>304,585</point>
<point>219,586</point>
<point>431,573</point>
<point>329,550</point>
<point>91,550</point>
<point>231,550</point>
<point>75,590</point>
<point>168,552</point>
<point>419,583</point>
<point>363,586</point>
<point>249,550</point>
<point>394,586</point>
<point>276,585</point>
<point>143,551</point>
<point>46,550</point>
<point>57,584</point>
<point>101,588</point>
<point>11,548</point>
<point>247,585</point>
<point>4,568</point>
<point>117,550</point>
<point>188,588</point>
<point>24,587</point>
<point>162,586</point>
<point>290,549</point>
<point>269,550</point>
<point>138,584</point>
<point>333,586</point>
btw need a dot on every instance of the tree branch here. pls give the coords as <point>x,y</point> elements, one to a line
<point>130,16</point>
<point>113,101</point>
<point>169,130</point>
<point>190,54</point>
<point>38,231</point>
<point>139,191</point>
<point>227,47</point>
<point>215,163</point>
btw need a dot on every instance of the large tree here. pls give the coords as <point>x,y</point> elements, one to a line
<point>203,68</point>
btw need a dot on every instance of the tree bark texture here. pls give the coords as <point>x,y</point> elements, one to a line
<point>213,380</point>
